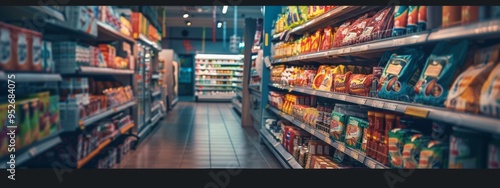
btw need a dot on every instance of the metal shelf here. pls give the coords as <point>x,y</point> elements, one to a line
<point>149,126</point>
<point>215,97</point>
<point>285,158</point>
<point>108,33</point>
<point>216,74</point>
<point>221,63</point>
<point>90,120</point>
<point>224,85</point>
<point>146,40</point>
<point>155,76</point>
<point>236,105</point>
<point>17,12</point>
<point>204,68</point>
<point>355,154</point>
<point>26,153</point>
<point>484,29</point>
<point>174,102</point>
<point>212,89</point>
<point>31,77</point>
<point>474,121</point>
<point>215,79</point>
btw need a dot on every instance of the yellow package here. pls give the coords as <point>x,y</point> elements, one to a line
<point>464,95</point>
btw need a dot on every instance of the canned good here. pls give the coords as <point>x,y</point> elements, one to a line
<point>467,149</point>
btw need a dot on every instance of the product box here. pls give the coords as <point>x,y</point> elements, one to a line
<point>43,113</point>
<point>54,112</point>
<point>137,20</point>
<point>23,56</point>
<point>35,49</point>
<point>4,138</point>
<point>109,53</point>
<point>23,137</point>
<point>47,57</point>
<point>81,18</point>
<point>8,46</point>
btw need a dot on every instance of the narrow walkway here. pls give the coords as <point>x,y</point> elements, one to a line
<point>201,135</point>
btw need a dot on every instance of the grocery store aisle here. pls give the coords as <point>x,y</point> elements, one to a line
<point>201,135</point>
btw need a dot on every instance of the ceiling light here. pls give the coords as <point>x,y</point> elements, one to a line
<point>188,23</point>
<point>186,15</point>
<point>224,9</point>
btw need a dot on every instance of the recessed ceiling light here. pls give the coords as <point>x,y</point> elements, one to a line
<point>188,23</point>
<point>186,15</point>
<point>219,24</point>
<point>224,9</point>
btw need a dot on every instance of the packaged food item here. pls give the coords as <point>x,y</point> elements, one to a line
<point>360,84</point>
<point>23,124</point>
<point>341,82</point>
<point>451,15</point>
<point>376,26</point>
<point>47,58</point>
<point>400,20</point>
<point>434,155</point>
<point>341,33</point>
<point>396,141</point>
<point>489,100</point>
<point>467,149</point>
<point>439,71</point>
<point>327,40</point>
<point>337,126</point>
<point>422,18</point>
<point>34,119</point>
<point>469,14</point>
<point>463,95</point>
<point>4,122</point>
<point>411,150</point>
<point>23,63</point>
<point>43,121</point>
<point>494,153</point>
<point>400,75</point>
<point>355,29</point>
<point>354,132</point>
<point>36,51</point>
<point>412,23</point>
<point>338,156</point>
<point>8,47</point>
<point>316,41</point>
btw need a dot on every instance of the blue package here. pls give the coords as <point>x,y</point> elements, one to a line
<point>400,75</point>
<point>439,71</point>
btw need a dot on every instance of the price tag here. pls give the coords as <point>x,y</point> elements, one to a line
<point>398,42</point>
<point>347,50</point>
<point>267,61</point>
<point>341,147</point>
<point>115,109</point>
<point>370,163</point>
<point>414,111</point>
<point>411,40</point>
<point>277,144</point>
<point>329,95</point>
<point>301,90</point>
<point>313,132</point>
<point>313,92</point>
<point>391,106</point>
<point>302,126</point>
<point>342,97</point>
<point>328,140</point>
<point>378,104</point>
<point>363,47</point>
<point>33,151</point>
<point>355,155</point>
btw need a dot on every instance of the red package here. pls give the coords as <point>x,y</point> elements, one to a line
<point>341,33</point>
<point>327,38</point>
<point>374,28</point>
<point>355,30</point>
<point>341,82</point>
<point>360,84</point>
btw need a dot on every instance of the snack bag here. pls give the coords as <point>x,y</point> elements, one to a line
<point>327,38</point>
<point>303,10</point>
<point>337,126</point>
<point>441,67</point>
<point>293,12</point>
<point>354,132</point>
<point>315,41</point>
<point>326,84</point>
<point>307,43</point>
<point>411,150</point>
<point>355,29</point>
<point>376,25</point>
<point>396,141</point>
<point>341,82</point>
<point>464,95</point>
<point>342,31</point>
<point>44,113</point>
<point>400,75</point>
<point>490,94</point>
<point>400,20</point>
<point>360,84</point>
<point>433,155</point>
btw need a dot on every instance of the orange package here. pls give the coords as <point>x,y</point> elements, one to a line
<point>327,38</point>
<point>360,84</point>
<point>316,41</point>
<point>341,82</point>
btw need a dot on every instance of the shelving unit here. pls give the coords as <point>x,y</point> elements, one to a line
<point>217,76</point>
<point>356,53</point>
<point>285,158</point>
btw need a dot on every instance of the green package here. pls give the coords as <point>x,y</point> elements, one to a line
<point>396,141</point>
<point>55,123</point>
<point>411,150</point>
<point>34,119</point>
<point>337,126</point>
<point>354,132</point>
<point>433,155</point>
<point>23,124</point>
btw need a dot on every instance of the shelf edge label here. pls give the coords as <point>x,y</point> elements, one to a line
<point>418,112</point>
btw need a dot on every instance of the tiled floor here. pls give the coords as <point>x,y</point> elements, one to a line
<point>201,135</point>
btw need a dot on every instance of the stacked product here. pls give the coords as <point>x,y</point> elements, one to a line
<point>37,117</point>
<point>142,26</point>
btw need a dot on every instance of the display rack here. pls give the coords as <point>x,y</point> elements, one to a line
<point>476,32</point>
<point>285,158</point>
<point>217,76</point>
